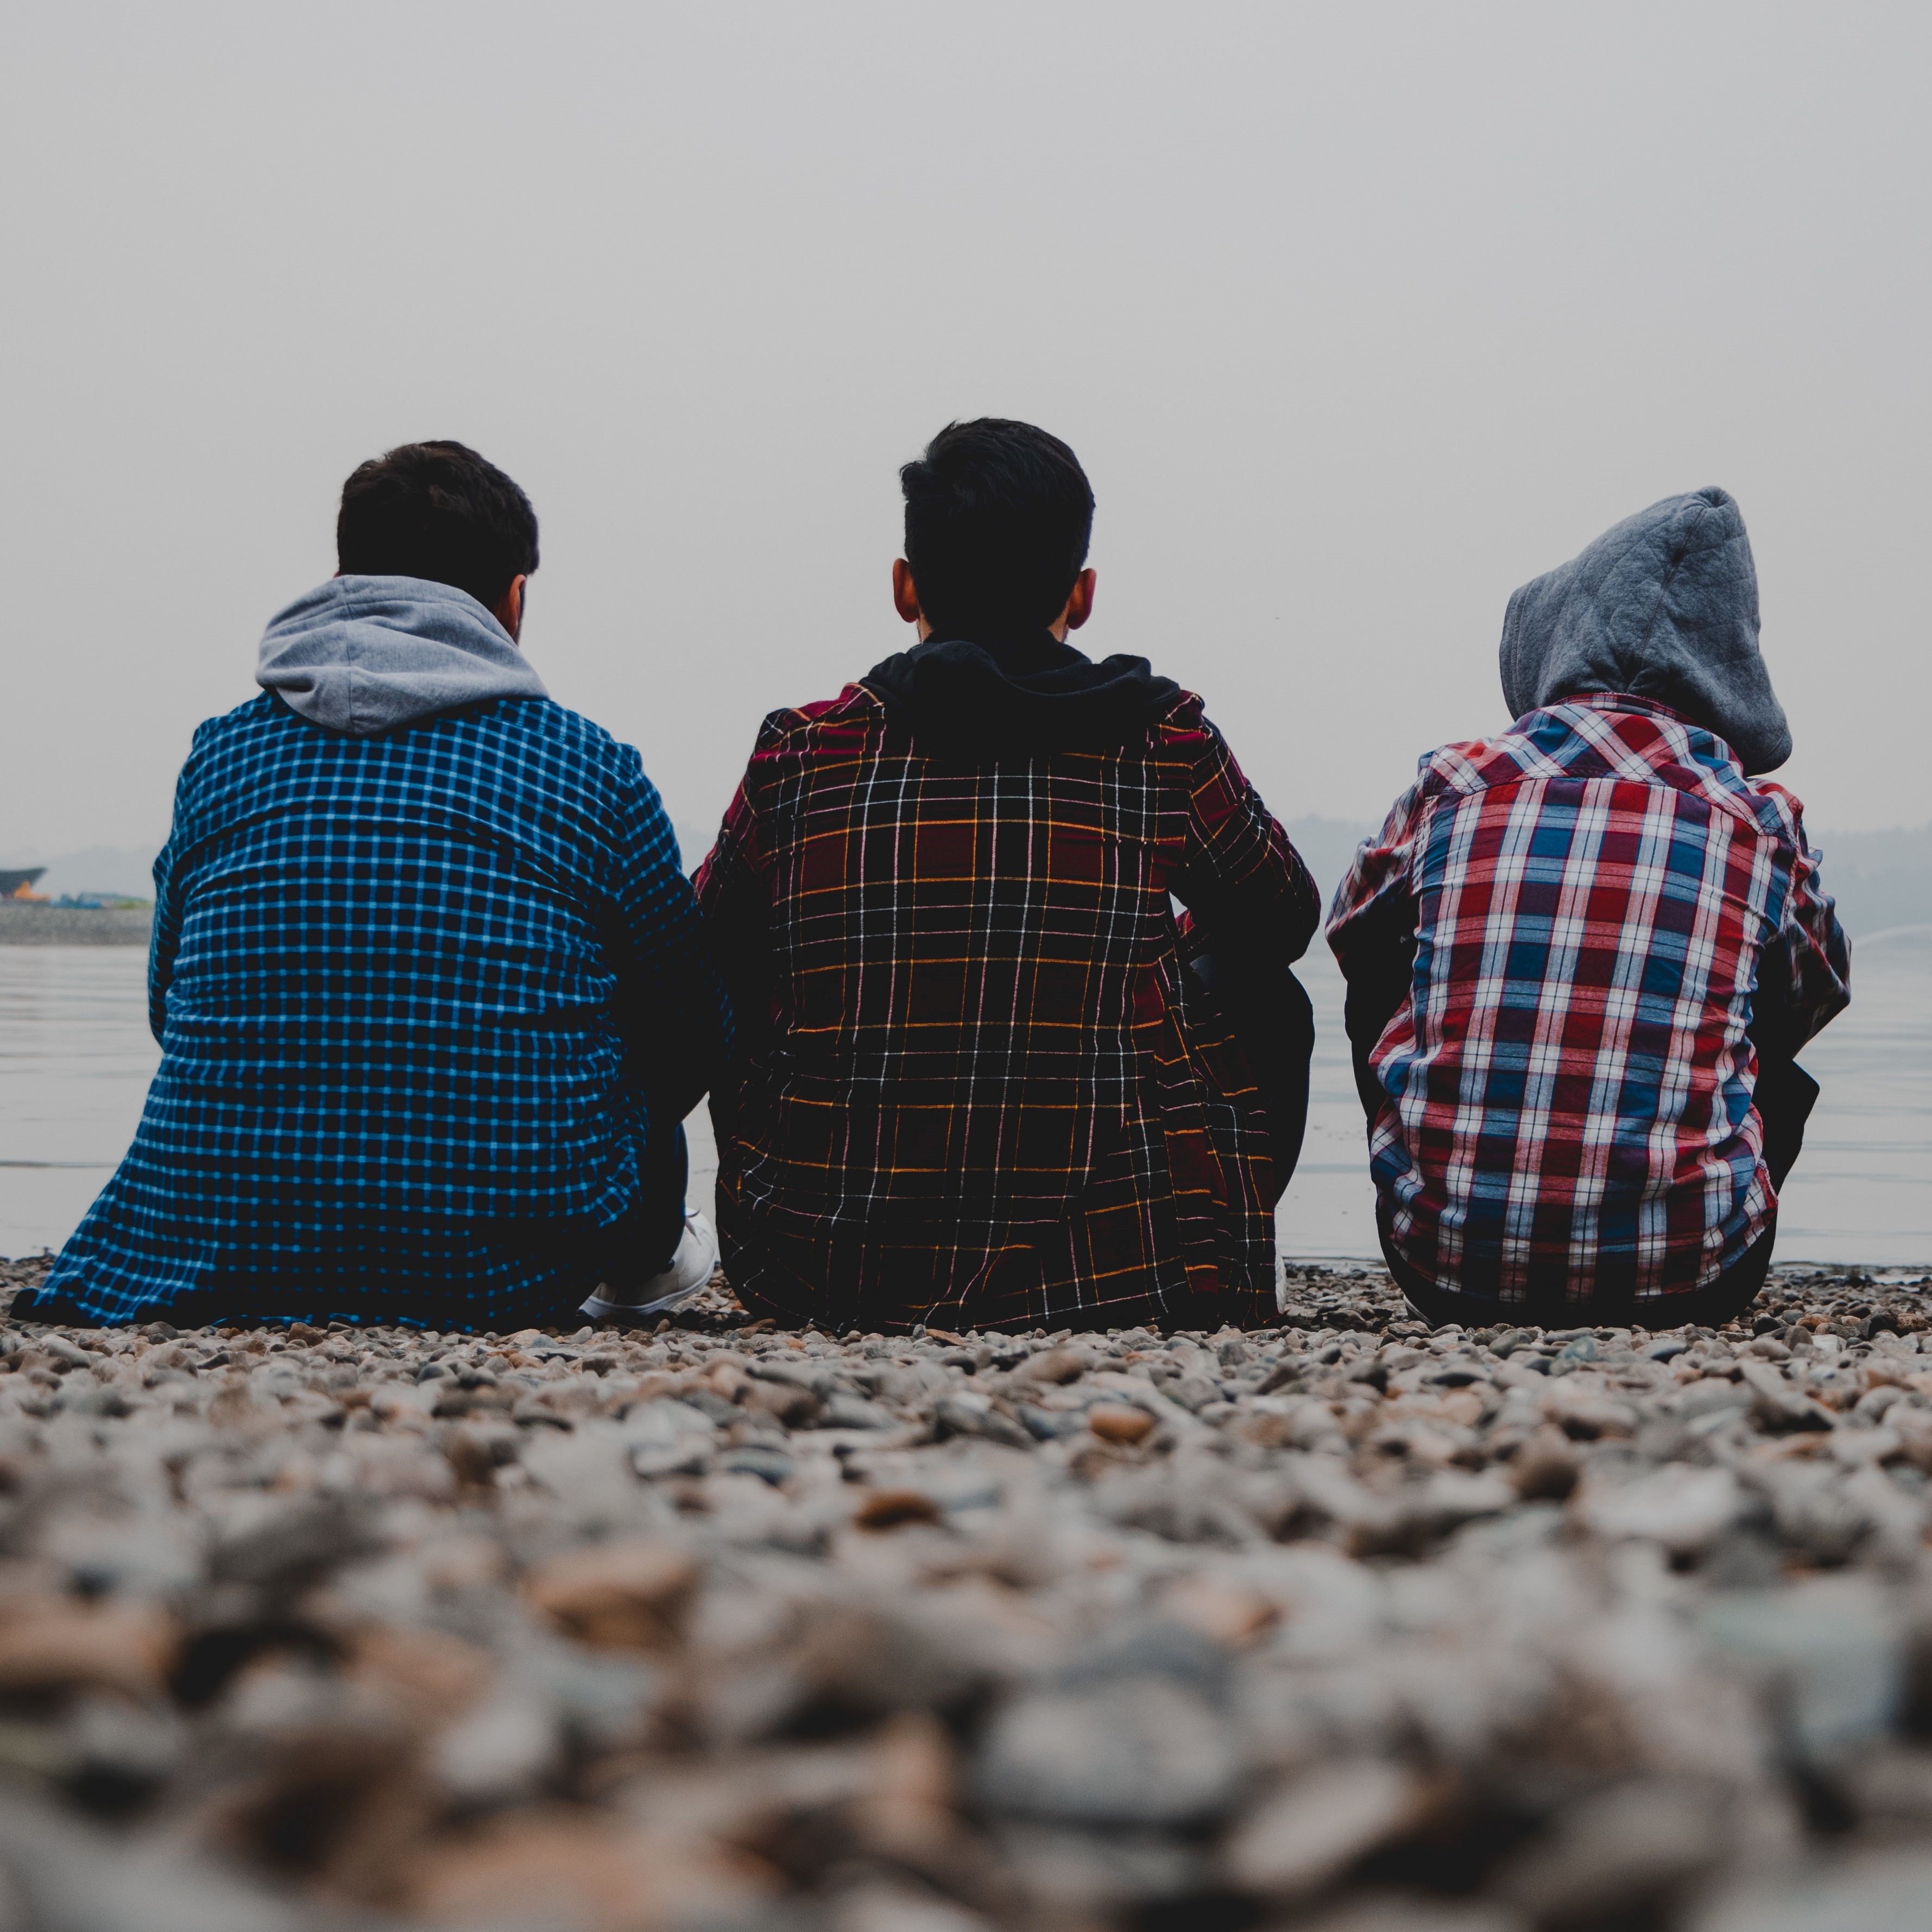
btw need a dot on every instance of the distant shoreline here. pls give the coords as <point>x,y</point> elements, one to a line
<point>22,923</point>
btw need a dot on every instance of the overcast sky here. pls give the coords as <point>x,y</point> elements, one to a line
<point>1358,316</point>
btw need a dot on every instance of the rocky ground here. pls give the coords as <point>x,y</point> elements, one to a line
<point>718,1629</point>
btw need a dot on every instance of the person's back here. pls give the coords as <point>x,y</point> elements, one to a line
<point>981,1088</point>
<point>430,987</point>
<point>1581,955</point>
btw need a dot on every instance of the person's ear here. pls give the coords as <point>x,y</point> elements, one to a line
<point>509,611</point>
<point>1080,604</point>
<point>905,594</point>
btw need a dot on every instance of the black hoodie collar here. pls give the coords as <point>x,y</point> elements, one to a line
<point>1020,694</point>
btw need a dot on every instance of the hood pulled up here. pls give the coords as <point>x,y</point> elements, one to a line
<point>1023,696</point>
<point>366,654</point>
<point>1663,607</point>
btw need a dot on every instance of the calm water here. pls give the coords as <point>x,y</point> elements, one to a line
<point>76,1058</point>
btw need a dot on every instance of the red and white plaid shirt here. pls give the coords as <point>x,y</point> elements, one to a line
<point>1566,1091</point>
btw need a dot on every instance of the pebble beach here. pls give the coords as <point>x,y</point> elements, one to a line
<point>1340,1625</point>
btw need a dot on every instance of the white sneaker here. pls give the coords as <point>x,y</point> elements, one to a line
<point>688,1274</point>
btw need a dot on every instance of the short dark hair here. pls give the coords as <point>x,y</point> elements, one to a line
<point>997,518</point>
<point>437,510</point>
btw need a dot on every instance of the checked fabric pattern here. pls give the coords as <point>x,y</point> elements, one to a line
<point>985,1092</point>
<point>422,998</point>
<point>1567,1093</point>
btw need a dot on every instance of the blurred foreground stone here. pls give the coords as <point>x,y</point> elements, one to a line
<point>1340,1626</point>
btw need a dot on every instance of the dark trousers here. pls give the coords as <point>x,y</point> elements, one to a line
<point>644,1242</point>
<point>1785,1096</point>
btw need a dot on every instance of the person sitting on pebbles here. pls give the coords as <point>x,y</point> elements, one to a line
<point>1583,955</point>
<point>431,989</point>
<point>980,1087</point>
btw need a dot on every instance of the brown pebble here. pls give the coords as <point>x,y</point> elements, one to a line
<point>430,1675</point>
<point>1119,1424</point>
<point>1055,1365</point>
<point>469,1456</point>
<point>1547,1469</point>
<point>1233,1614</point>
<point>588,1871</point>
<point>892,1509</point>
<point>54,1647</point>
<point>778,1402</point>
<point>628,1595</point>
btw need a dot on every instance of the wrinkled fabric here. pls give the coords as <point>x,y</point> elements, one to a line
<point>429,1003</point>
<point>1014,696</point>
<point>981,1088</point>
<point>1663,607</point>
<point>1587,916</point>
<point>367,654</point>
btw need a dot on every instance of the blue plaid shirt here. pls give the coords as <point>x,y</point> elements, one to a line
<point>423,999</point>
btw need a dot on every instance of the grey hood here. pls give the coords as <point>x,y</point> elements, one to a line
<point>365,654</point>
<point>1663,607</point>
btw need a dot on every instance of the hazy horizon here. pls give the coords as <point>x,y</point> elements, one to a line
<point>1882,880</point>
<point>1357,318</point>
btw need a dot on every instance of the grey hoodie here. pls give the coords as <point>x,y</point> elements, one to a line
<point>366,654</point>
<point>1663,607</point>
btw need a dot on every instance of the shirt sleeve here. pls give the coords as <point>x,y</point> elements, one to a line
<point>163,943</point>
<point>1817,955</point>
<point>1377,895</point>
<point>170,891</point>
<point>1371,933</point>
<point>678,1027</point>
<point>734,892</point>
<point>1240,877</point>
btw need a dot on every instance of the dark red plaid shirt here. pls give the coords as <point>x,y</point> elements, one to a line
<point>988,1093</point>
<point>1589,900</point>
